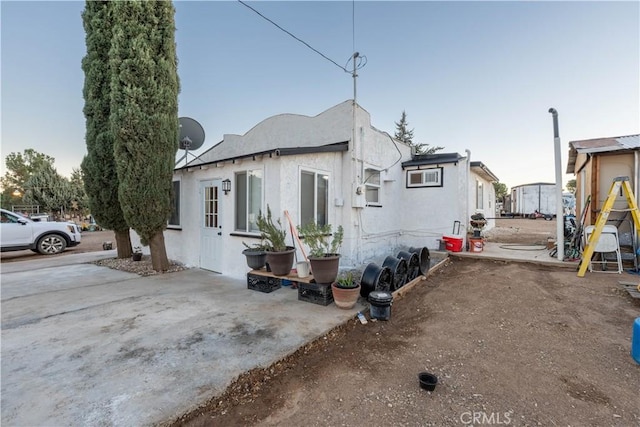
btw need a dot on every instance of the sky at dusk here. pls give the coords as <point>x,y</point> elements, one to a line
<point>470,75</point>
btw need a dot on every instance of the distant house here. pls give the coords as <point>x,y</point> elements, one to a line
<point>329,169</point>
<point>595,163</point>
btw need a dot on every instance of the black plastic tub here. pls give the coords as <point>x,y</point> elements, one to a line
<point>424,258</point>
<point>398,267</point>
<point>375,278</point>
<point>413,264</point>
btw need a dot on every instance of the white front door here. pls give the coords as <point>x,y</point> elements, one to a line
<point>211,226</point>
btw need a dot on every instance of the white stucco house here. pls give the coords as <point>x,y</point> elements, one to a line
<point>323,169</point>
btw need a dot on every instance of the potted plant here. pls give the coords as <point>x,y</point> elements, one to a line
<point>346,291</point>
<point>256,255</point>
<point>137,253</point>
<point>323,250</point>
<point>279,256</point>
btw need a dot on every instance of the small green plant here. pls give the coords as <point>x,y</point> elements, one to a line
<point>317,238</point>
<point>271,233</point>
<point>346,281</point>
<point>257,247</point>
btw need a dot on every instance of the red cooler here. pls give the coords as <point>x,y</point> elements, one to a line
<point>453,243</point>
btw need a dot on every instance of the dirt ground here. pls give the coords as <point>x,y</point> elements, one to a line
<point>511,344</point>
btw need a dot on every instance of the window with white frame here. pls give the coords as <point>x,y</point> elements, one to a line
<point>174,219</point>
<point>431,177</point>
<point>479,195</point>
<point>314,197</point>
<point>372,186</point>
<point>248,199</point>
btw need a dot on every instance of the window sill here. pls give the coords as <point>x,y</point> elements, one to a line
<point>243,234</point>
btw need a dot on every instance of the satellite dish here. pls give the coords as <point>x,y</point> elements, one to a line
<point>191,134</point>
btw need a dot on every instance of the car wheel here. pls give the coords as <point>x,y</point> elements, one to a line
<point>51,244</point>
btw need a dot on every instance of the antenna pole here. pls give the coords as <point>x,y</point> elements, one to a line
<point>353,136</point>
<point>355,75</point>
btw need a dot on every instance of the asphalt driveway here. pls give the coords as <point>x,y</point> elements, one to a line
<point>87,345</point>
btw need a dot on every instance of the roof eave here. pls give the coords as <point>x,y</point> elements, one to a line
<point>275,152</point>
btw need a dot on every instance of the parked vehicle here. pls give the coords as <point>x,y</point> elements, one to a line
<point>536,215</point>
<point>18,232</point>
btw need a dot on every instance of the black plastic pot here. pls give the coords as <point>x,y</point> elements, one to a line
<point>256,259</point>
<point>375,278</point>
<point>399,269</point>
<point>413,264</point>
<point>380,305</point>
<point>424,258</point>
<point>427,380</point>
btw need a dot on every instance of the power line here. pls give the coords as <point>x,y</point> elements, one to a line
<point>298,39</point>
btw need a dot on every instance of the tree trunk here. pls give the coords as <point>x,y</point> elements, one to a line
<point>123,243</point>
<point>159,260</point>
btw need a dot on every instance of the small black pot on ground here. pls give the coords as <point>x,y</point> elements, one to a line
<point>428,381</point>
<point>137,256</point>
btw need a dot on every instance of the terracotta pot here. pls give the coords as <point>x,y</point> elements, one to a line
<point>281,263</point>
<point>325,268</point>
<point>345,298</point>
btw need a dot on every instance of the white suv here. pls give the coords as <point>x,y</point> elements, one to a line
<point>19,232</point>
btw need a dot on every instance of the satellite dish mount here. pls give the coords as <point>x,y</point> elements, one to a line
<point>191,137</point>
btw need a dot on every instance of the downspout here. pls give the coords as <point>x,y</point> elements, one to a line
<point>559,207</point>
<point>540,198</point>
<point>468,203</point>
<point>636,175</point>
<point>636,178</point>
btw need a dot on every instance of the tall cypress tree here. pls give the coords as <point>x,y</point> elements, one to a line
<point>144,116</point>
<point>98,166</point>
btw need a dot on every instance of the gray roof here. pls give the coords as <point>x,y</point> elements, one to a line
<point>482,170</point>
<point>444,158</point>
<point>432,159</point>
<point>600,145</point>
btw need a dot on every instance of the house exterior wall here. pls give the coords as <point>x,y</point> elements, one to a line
<point>403,217</point>
<point>488,200</point>
<point>373,232</point>
<point>432,211</point>
<point>595,177</point>
<point>610,167</point>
